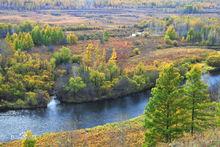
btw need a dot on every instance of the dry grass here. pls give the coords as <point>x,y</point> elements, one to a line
<point>43,18</point>
<point>155,58</point>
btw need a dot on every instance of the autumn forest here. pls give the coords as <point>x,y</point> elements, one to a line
<point>109,73</point>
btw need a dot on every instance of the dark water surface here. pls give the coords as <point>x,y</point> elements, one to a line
<point>62,117</point>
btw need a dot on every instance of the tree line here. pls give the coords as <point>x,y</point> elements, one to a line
<point>38,36</point>
<point>73,4</point>
<point>195,30</point>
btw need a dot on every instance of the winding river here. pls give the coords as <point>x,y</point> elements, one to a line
<point>62,117</point>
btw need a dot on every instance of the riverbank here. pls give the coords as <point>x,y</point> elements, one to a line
<point>126,133</point>
<point>151,59</point>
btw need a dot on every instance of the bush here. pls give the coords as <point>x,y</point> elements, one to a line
<point>20,103</point>
<point>175,43</point>
<point>62,56</point>
<point>29,139</point>
<point>72,38</point>
<point>21,41</point>
<point>31,98</point>
<point>168,41</point>
<point>76,59</point>
<point>214,60</point>
<point>136,51</point>
<point>170,33</point>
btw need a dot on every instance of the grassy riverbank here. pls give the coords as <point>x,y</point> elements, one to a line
<point>128,133</point>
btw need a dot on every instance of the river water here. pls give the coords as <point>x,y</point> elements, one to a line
<point>62,117</point>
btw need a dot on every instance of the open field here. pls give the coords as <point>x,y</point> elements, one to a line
<point>103,17</point>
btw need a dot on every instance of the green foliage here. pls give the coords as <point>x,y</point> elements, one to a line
<point>21,41</point>
<point>163,112</point>
<point>31,98</point>
<point>170,33</point>
<point>174,109</point>
<point>75,84</point>
<point>20,103</point>
<point>213,60</point>
<point>72,38</point>
<point>76,59</point>
<point>37,35</point>
<point>198,103</point>
<point>47,35</point>
<point>218,115</point>
<point>139,81</point>
<point>29,140</point>
<point>96,77</point>
<point>139,78</point>
<point>62,56</point>
<point>26,80</point>
<point>106,36</point>
<point>193,36</point>
<point>25,26</point>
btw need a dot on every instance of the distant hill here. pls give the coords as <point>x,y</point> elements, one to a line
<point>73,4</point>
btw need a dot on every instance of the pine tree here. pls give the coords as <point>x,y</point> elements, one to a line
<point>163,115</point>
<point>201,110</point>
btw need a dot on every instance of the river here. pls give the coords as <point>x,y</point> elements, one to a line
<point>63,117</point>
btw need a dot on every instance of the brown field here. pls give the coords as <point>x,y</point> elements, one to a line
<point>18,17</point>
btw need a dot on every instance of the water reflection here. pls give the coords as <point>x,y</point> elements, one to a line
<point>61,117</point>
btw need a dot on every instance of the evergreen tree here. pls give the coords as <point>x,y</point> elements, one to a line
<point>201,109</point>
<point>163,115</point>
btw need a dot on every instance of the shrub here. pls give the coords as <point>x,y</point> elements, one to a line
<point>214,60</point>
<point>136,51</point>
<point>62,56</point>
<point>175,43</point>
<point>20,103</point>
<point>170,33</point>
<point>76,59</point>
<point>31,98</point>
<point>168,41</point>
<point>21,41</point>
<point>75,85</point>
<point>29,139</point>
<point>72,38</point>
